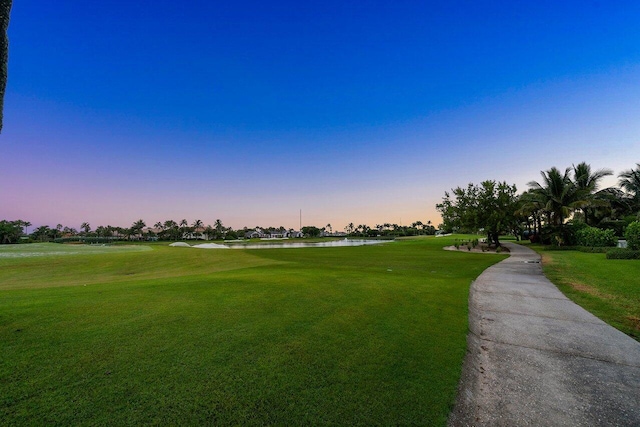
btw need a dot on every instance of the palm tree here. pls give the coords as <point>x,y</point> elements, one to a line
<point>196,225</point>
<point>183,227</point>
<point>86,227</point>
<point>136,228</point>
<point>349,228</point>
<point>208,232</point>
<point>531,208</point>
<point>219,229</point>
<point>559,195</point>
<point>629,181</point>
<point>170,227</point>
<point>587,183</point>
<point>418,225</point>
<point>328,227</point>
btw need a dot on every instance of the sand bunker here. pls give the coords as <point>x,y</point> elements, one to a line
<point>180,245</point>
<point>211,246</point>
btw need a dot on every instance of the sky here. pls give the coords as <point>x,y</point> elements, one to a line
<point>349,111</point>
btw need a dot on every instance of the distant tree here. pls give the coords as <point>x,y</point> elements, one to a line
<point>489,206</point>
<point>311,231</point>
<point>136,228</point>
<point>10,231</point>
<point>171,229</point>
<point>69,231</point>
<point>26,225</point>
<point>418,225</point>
<point>43,233</point>
<point>219,229</point>
<point>86,227</point>
<point>196,225</point>
<point>349,228</point>
<point>184,227</point>
<point>100,231</point>
<point>329,228</point>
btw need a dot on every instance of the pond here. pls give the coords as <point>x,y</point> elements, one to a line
<point>331,244</point>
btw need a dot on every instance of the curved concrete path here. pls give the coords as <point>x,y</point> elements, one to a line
<point>535,358</point>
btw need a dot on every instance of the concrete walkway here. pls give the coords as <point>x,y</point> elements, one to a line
<point>535,358</point>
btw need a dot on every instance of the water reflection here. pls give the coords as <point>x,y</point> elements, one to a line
<point>331,244</point>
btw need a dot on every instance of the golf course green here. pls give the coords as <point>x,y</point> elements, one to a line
<point>168,335</point>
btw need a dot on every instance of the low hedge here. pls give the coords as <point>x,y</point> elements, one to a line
<point>623,254</point>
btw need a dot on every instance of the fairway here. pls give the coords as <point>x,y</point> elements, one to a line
<point>353,335</point>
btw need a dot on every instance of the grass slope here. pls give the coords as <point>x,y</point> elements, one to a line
<point>610,289</point>
<point>354,335</point>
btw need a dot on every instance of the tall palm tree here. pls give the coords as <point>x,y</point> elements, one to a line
<point>559,195</point>
<point>587,184</point>
<point>629,181</point>
<point>586,180</point>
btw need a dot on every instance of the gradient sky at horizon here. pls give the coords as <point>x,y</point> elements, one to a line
<point>363,112</point>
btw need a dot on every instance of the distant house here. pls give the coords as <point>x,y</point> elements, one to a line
<point>254,234</point>
<point>259,233</point>
<point>196,234</point>
<point>334,234</point>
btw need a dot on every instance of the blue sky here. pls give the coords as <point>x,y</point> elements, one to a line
<point>361,112</point>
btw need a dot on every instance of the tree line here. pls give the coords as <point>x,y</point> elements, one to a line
<point>16,231</point>
<point>552,210</point>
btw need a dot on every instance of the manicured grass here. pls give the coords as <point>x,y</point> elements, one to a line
<point>610,289</point>
<point>353,335</point>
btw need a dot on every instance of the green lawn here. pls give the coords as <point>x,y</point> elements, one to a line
<point>353,335</point>
<point>608,288</point>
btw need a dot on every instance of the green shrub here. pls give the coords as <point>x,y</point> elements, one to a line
<point>623,254</point>
<point>595,237</point>
<point>565,235</point>
<point>632,234</point>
